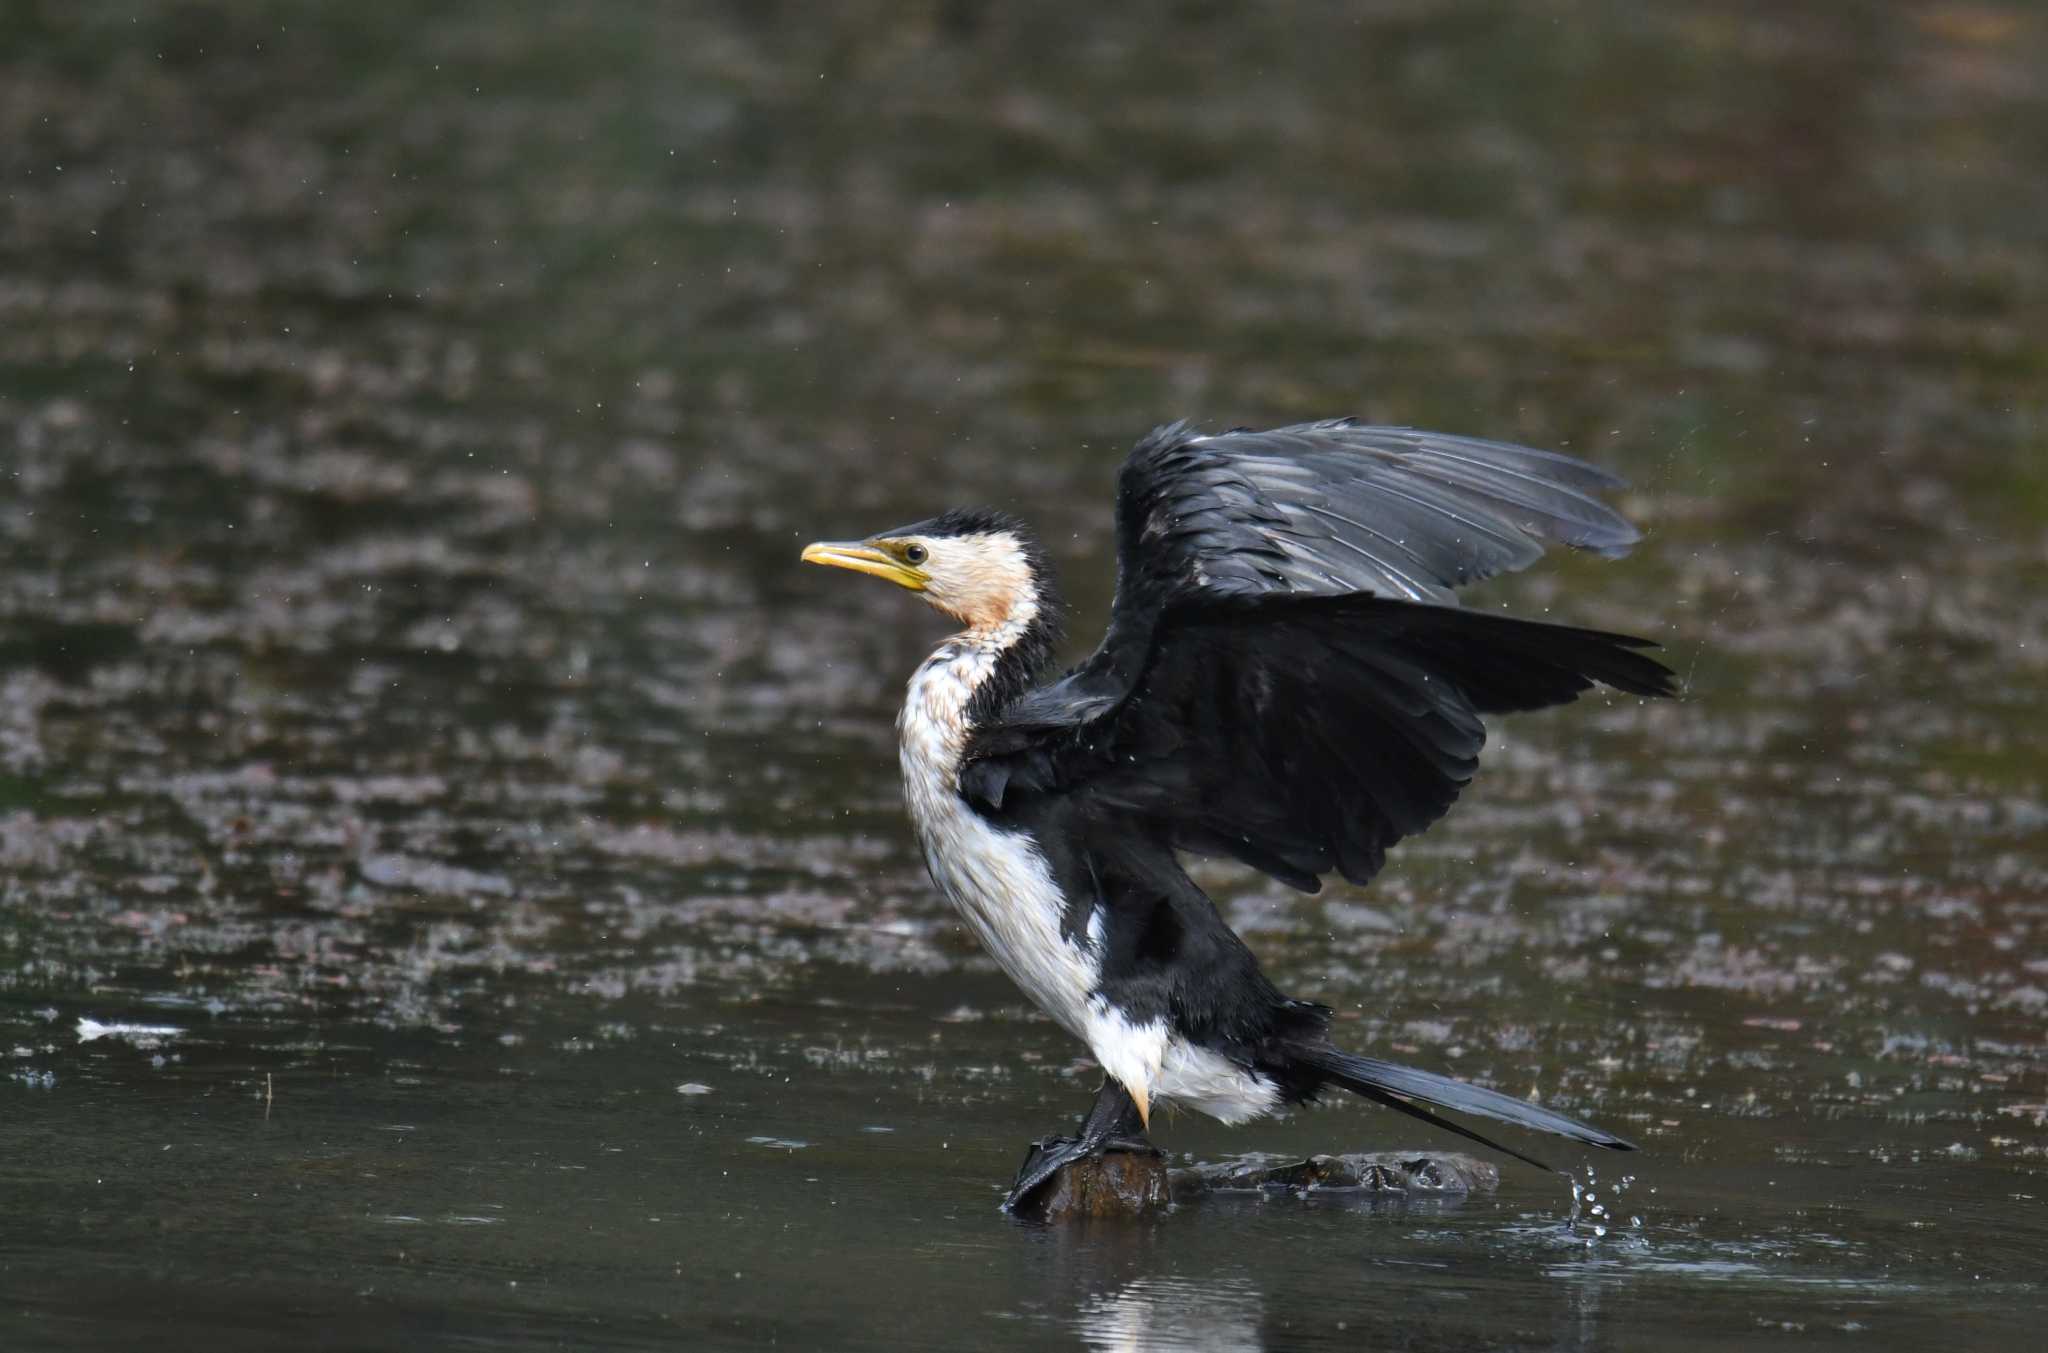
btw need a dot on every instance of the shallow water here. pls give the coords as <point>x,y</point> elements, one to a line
<point>420,746</point>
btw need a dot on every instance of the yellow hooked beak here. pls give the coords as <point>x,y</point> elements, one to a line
<point>1142,1097</point>
<point>864,558</point>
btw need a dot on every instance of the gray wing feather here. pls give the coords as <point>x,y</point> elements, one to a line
<point>1335,507</point>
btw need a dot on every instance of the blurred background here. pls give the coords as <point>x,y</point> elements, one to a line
<point>452,882</point>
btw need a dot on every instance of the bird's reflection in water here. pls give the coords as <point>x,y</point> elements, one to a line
<point>1162,1283</point>
<point>1124,1285</point>
<point>1174,1313</point>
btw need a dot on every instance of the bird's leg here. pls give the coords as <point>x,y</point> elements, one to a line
<point>1113,1124</point>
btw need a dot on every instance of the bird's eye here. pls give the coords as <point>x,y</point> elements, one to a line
<point>916,554</point>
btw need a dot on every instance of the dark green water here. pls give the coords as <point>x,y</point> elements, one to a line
<point>409,697</point>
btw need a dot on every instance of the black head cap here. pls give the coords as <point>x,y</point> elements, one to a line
<point>965,521</point>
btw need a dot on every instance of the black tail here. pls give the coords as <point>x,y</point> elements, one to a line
<point>1398,1087</point>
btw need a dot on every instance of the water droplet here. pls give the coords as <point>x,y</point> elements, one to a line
<point>1599,1231</point>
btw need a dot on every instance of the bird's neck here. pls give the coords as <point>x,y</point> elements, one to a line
<point>1016,652</point>
<point>970,677</point>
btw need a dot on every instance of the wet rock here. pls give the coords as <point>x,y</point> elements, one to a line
<point>1112,1184</point>
<point>1131,1183</point>
<point>1381,1172</point>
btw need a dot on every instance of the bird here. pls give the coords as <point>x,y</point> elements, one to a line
<point>1286,680</point>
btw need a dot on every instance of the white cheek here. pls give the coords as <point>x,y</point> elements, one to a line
<point>985,581</point>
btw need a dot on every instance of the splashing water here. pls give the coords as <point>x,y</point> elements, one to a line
<point>1592,1218</point>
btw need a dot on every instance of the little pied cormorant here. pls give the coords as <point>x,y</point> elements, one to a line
<point>1287,680</point>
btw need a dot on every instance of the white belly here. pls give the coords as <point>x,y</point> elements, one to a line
<point>1174,1070</point>
<point>1001,886</point>
<point>1004,890</point>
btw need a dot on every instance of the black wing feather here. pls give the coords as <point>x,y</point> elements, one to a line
<point>1305,735</point>
<point>1283,681</point>
<point>1338,507</point>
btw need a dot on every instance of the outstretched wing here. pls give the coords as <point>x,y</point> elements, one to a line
<point>1336,507</point>
<point>1283,679</point>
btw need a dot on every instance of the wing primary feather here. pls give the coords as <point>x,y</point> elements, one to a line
<point>1335,507</point>
<point>1493,530</point>
<point>1405,580</point>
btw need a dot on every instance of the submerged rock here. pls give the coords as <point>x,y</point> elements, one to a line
<point>1431,1174</point>
<point>1131,1183</point>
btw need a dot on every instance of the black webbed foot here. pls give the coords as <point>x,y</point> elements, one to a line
<point>1112,1124</point>
<point>1050,1155</point>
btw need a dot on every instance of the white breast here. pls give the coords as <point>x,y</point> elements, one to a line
<point>997,879</point>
